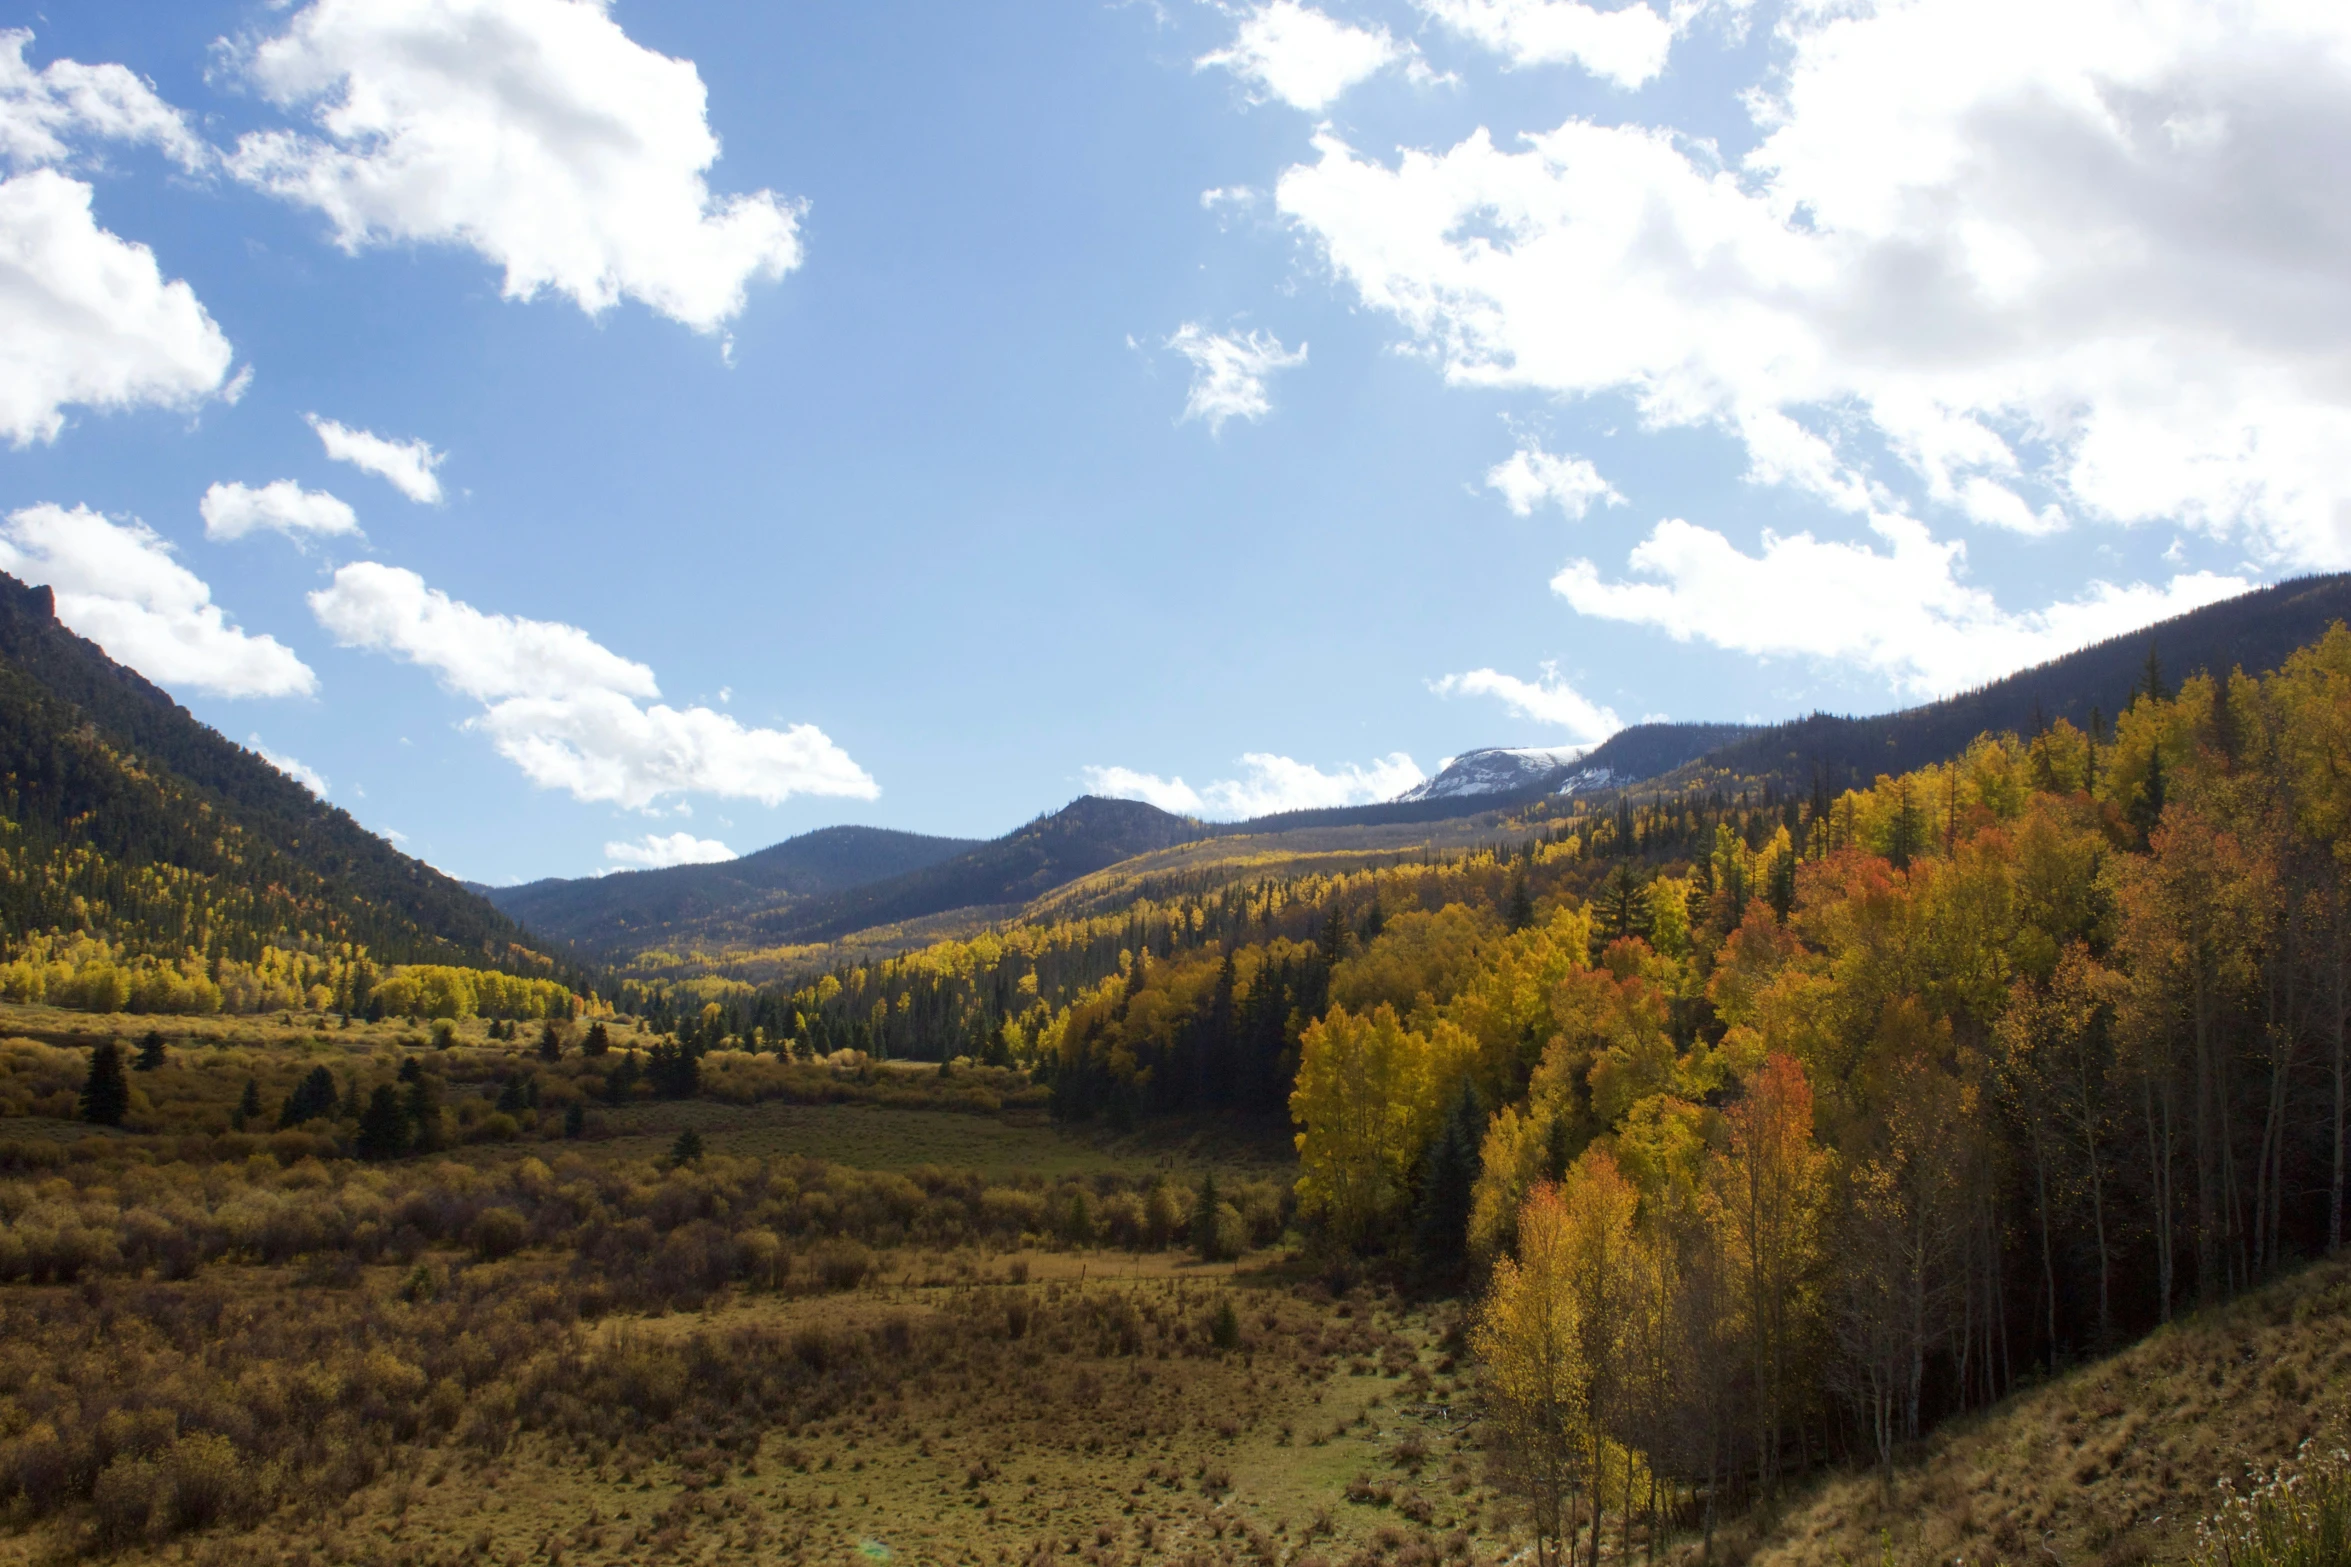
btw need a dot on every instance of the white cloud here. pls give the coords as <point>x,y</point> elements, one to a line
<point>308,777</point>
<point>1902,612</point>
<point>86,317</point>
<point>406,465</point>
<point>231,511</point>
<point>655,851</point>
<point>1268,784</point>
<point>1550,700</point>
<point>565,709</point>
<point>2075,252</point>
<point>1302,57</point>
<point>1532,476</point>
<point>1627,46</point>
<point>116,583</point>
<point>1229,372</point>
<point>534,131</point>
<point>44,113</point>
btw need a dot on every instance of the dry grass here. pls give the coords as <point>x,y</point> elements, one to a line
<point>2113,1463</point>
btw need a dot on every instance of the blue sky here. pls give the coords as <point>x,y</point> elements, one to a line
<point>1237,406</point>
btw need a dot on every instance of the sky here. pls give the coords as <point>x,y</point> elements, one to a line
<point>577,436</point>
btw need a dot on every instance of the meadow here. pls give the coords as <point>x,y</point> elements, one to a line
<point>861,1313</point>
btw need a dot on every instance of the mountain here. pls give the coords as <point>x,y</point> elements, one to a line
<point>634,910</point>
<point>2255,631</point>
<point>1523,772</point>
<point>1498,770</point>
<point>126,817</point>
<point>1088,835</point>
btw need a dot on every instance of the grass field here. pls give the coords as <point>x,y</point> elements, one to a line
<point>850,1332</point>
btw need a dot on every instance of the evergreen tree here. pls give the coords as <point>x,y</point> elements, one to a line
<point>1522,906</point>
<point>151,1052</point>
<point>248,1106</point>
<point>106,1093</point>
<point>550,1041</point>
<point>422,1107</point>
<point>313,1098</point>
<point>510,1096</point>
<point>2154,676</point>
<point>674,1071</point>
<point>383,1125</point>
<point>1204,1217</point>
<point>598,1040</point>
<point>575,1121</point>
<point>687,1149</point>
<point>1440,1227</point>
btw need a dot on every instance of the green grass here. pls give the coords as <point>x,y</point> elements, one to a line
<point>874,1137</point>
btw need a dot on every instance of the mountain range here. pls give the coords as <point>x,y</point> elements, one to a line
<point>124,815</point>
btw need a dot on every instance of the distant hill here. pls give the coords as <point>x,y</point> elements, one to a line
<point>129,818</point>
<point>1085,836</point>
<point>633,910</point>
<point>2256,631</point>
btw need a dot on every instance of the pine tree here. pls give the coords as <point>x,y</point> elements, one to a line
<point>106,1093</point>
<point>1440,1228</point>
<point>687,1149</point>
<point>313,1098</point>
<point>1204,1217</point>
<point>383,1125</point>
<point>1522,907</point>
<point>151,1052</point>
<point>248,1107</point>
<point>597,1042</point>
<point>550,1041</point>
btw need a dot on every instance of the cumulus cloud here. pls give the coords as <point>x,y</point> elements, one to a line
<point>2036,266</point>
<point>86,317</point>
<point>406,465</point>
<point>1267,784</point>
<point>1902,612</point>
<point>117,584</point>
<point>567,710</point>
<point>535,132</point>
<point>1299,56</point>
<point>46,114</point>
<point>1532,477</point>
<point>1627,46</point>
<point>1229,372</point>
<point>231,511</point>
<point>655,851</point>
<point>1550,700</point>
<point>308,777</point>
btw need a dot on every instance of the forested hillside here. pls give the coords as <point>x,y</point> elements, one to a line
<point>633,910</point>
<point>1834,1112</point>
<point>139,848</point>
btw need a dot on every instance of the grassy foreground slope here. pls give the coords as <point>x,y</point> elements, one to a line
<point>2112,1463</point>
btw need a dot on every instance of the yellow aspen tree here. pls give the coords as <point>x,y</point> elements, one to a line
<point>1530,1337</point>
<point>1368,1105</point>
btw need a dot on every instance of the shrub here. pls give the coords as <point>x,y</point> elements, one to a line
<point>498,1232</point>
<point>2300,1519</point>
<point>841,1265</point>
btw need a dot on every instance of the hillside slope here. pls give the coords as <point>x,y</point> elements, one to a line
<point>2255,631</point>
<point>128,818</point>
<point>1084,836</point>
<point>2110,1463</point>
<point>637,909</point>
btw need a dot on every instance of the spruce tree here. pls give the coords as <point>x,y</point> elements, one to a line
<point>151,1052</point>
<point>383,1125</point>
<point>106,1093</point>
<point>597,1042</point>
<point>687,1149</point>
<point>1522,906</point>
<point>313,1098</point>
<point>550,1041</point>
<point>575,1121</point>
<point>1204,1217</point>
<point>248,1106</point>
<point>1440,1227</point>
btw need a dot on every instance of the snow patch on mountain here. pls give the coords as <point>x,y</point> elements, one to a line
<point>1498,770</point>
